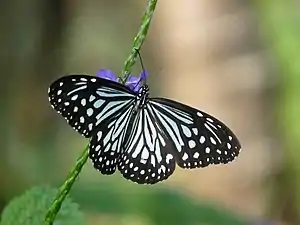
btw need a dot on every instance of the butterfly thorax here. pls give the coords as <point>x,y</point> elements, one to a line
<point>142,97</point>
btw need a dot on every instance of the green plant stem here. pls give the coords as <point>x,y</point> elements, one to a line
<point>139,39</point>
<point>72,176</point>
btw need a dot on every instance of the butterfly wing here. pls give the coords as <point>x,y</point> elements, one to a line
<point>87,101</point>
<point>198,138</point>
<point>96,108</point>
<point>145,156</point>
<point>144,143</point>
<point>106,144</point>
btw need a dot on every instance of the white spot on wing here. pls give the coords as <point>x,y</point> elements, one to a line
<point>81,119</point>
<point>168,158</point>
<point>89,111</point>
<point>196,155</point>
<point>202,139</point>
<point>98,103</point>
<point>192,143</point>
<point>74,97</point>
<point>207,150</point>
<point>195,130</point>
<point>185,156</point>
<point>199,114</point>
<point>186,131</point>
<point>210,120</point>
<point>213,141</point>
<point>92,97</point>
<point>83,102</point>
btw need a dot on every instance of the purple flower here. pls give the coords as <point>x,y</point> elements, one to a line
<point>107,74</point>
<point>133,82</point>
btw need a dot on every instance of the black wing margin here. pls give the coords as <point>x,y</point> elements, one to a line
<point>199,139</point>
<point>86,101</point>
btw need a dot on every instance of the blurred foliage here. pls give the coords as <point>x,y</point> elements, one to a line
<point>158,204</point>
<point>280,22</point>
<point>39,45</point>
<point>31,207</point>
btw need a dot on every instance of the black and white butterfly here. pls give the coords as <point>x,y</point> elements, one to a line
<point>144,138</point>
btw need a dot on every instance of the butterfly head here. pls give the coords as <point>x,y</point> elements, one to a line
<point>143,91</point>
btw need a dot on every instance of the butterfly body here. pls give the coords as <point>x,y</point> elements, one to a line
<point>144,138</point>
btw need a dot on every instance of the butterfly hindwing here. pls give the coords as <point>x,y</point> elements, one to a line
<point>85,101</point>
<point>146,157</point>
<point>106,143</point>
<point>198,138</point>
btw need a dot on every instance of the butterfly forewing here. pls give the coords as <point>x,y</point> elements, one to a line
<point>86,101</point>
<point>146,151</point>
<point>198,138</point>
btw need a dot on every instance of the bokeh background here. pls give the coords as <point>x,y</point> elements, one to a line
<point>237,60</point>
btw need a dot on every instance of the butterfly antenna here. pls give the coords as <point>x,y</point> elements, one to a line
<point>142,65</point>
<point>141,61</point>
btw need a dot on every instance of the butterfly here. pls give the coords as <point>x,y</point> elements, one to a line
<point>143,137</point>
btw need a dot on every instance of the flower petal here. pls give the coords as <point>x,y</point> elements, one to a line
<point>144,75</point>
<point>133,83</point>
<point>107,74</point>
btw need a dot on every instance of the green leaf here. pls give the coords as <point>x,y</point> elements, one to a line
<point>31,208</point>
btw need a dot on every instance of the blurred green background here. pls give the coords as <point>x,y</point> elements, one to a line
<point>238,60</point>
